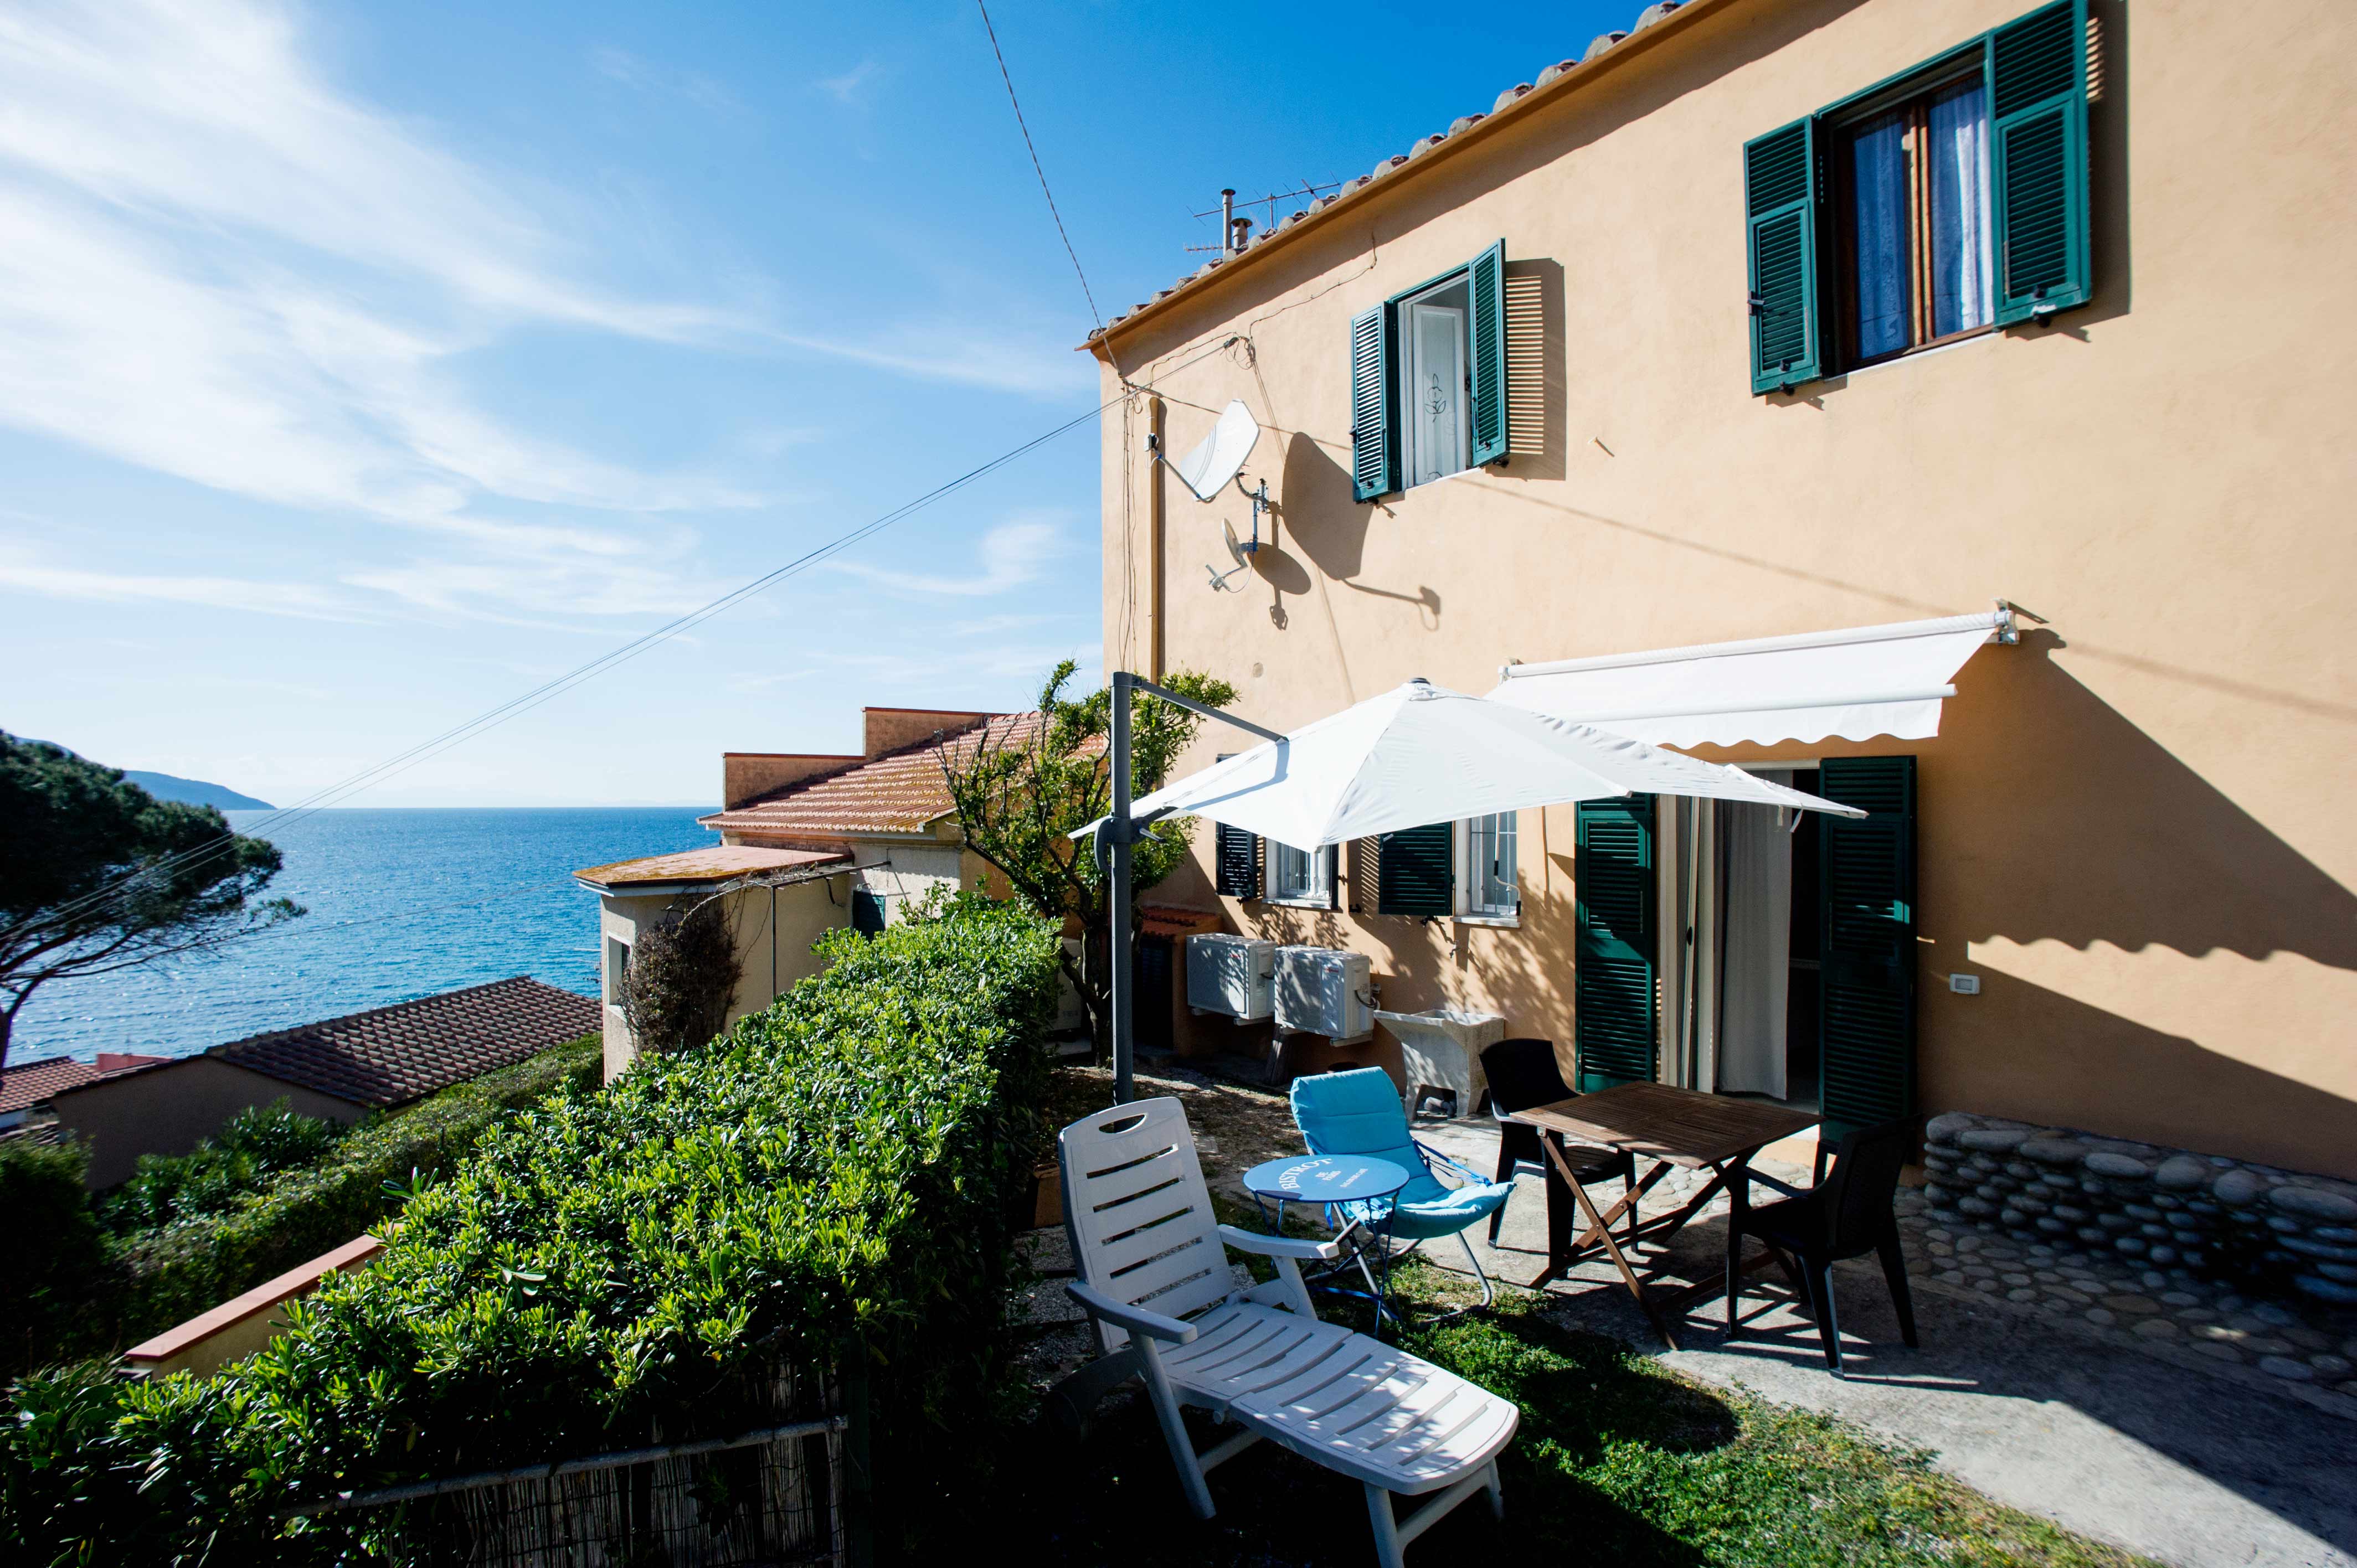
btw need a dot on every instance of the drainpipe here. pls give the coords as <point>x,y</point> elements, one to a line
<point>1154,514</point>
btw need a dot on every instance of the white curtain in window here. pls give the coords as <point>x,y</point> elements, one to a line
<point>1756,859</point>
<point>1961,283</point>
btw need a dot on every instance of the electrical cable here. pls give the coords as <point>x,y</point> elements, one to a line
<point>1086,292</point>
<point>425,750</point>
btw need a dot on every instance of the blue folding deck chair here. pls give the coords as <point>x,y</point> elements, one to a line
<point>1360,1112</point>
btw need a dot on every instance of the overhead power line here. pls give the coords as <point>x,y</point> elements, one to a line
<point>458,735</point>
<point>1094,314</point>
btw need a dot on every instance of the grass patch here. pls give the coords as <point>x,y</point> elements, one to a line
<point>1618,1459</point>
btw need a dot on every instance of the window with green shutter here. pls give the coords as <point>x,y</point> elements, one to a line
<point>1780,196</point>
<point>1428,380</point>
<point>2038,101</point>
<point>1414,870</point>
<point>1946,200</point>
<point>1867,942</point>
<point>1614,998</point>
<point>1236,856</point>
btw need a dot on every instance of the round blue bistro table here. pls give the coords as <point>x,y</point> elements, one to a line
<point>1327,1180</point>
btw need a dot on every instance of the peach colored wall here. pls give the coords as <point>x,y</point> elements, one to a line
<point>774,929</point>
<point>745,774</point>
<point>166,1110</point>
<point>889,729</point>
<point>2133,826</point>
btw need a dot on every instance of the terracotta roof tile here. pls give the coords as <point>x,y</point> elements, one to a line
<point>22,1088</point>
<point>900,792</point>
<point>391,1056</point>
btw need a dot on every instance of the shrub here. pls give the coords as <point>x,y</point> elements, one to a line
<point>180,1270</point>
<point>826,1186</point>
<point>253,1145</point>
<point>58,1258</point>
<point>146,1281</point>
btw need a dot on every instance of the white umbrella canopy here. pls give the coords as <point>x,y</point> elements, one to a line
<point>1424,754</point>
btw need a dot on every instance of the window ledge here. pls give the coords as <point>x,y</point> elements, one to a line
<point>1298,903</point>
<point>1507,922</point>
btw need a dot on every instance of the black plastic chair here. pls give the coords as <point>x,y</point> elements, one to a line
<point>1847,1215</point>
<point>1523,1073</point>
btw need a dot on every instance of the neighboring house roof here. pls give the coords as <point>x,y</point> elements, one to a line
<point>700,867</point>
<point>1557,81</point>
<point>391,1056</point>
<point>901,791</point>
<point>22,1088</point>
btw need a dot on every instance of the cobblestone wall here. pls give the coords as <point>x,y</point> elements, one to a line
<point>2188,1215</point>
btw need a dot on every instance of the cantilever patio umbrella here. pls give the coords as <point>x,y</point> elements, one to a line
<point>1415,754</point>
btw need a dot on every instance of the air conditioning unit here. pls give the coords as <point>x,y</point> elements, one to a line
<point>1230,975</point>
<point>1322,991</point>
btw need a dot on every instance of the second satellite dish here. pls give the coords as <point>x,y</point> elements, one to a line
<point>1207,469</point>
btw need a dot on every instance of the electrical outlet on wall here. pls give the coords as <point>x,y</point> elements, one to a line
<point>1965,984</point>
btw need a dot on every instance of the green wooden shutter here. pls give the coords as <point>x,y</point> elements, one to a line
<point>1486,354</point>
<point>1866,995</point>
<point>868,914</point>
<point>2037,122</point>
<point>1780,198</point>
<point>1238,863</point>
<point>1612,977</point>
<point>1374,439</point>
<point>1415,874</point>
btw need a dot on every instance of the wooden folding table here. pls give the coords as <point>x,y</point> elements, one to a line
<point>1671,1127</point>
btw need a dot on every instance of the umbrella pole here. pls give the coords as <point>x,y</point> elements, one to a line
<point>1124,976</point>
<point>1116,835</point>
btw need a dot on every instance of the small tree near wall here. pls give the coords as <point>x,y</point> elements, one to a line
<point>681,977</point>
<point>1019,794</point>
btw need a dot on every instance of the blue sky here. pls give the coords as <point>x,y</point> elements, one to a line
<point>362,367</point>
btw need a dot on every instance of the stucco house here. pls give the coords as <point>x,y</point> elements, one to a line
<point>1938,404</point>
<point>340,1069</point>
<point>809,843</point>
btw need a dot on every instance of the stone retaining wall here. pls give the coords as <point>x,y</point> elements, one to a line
<point>2197,1216</point>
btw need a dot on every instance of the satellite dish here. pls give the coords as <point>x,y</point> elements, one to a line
<point>1207,469</point>
<point>1241,553</point>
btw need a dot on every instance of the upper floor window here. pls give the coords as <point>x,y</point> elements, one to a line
<point>1914,219</point>
<point>1428,380</point>
<point>1947,199</point>
<point>1434,383</point>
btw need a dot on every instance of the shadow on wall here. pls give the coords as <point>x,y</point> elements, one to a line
<point>2111,838</point>
<point>2053,1058</point>
<point>1329,529</point>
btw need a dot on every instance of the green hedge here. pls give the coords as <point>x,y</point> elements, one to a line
<point>95,1302</point>
<point>828,1185</point>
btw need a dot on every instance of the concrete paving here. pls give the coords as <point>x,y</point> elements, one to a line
<point>2197,1466</point>
<point>2139,1440</point>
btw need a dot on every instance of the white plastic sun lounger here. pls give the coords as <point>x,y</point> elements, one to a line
<point>1155,1280</point>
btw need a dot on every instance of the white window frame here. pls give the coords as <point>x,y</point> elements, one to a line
<point>1413,372</point>
<point>1466,877</point>
<point>1321,877</point>
<point>617,964</point>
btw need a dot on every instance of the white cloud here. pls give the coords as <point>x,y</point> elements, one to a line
<point>1010,555</point>
<point>847,88</point>
<point>645,76</point>
<point>20,572</point>
<point>961,354</point>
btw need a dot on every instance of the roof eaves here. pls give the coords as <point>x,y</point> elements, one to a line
<point>1555,83</point>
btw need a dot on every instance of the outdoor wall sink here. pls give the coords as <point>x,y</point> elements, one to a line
<point>1441,1048</point>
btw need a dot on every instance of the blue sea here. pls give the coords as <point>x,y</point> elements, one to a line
<point>400,904</point>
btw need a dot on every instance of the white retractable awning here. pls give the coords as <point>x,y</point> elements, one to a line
<point>1856,684</point>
